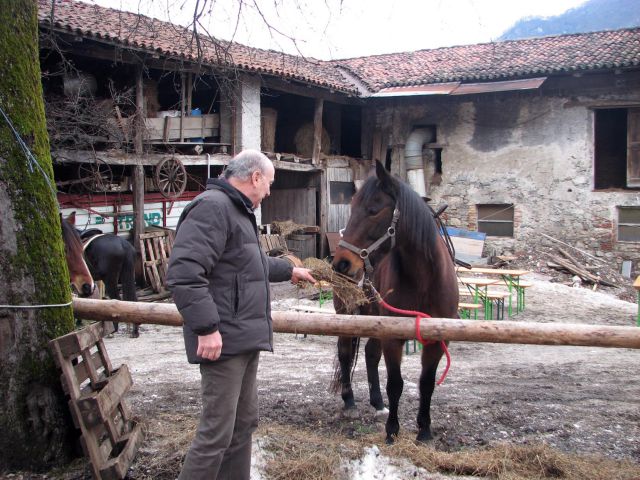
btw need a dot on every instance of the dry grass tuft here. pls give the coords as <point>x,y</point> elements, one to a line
<point>167,439</point>
<point>513,462</point>
<point>295,453</point>
<point>349,293</point>
<point>300,454</point>
<point>304,454</point>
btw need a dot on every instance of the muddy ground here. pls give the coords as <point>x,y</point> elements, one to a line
<point>580,400</point>
<point>577,400</point>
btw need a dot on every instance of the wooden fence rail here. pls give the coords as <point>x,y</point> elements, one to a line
<point>394,327</point>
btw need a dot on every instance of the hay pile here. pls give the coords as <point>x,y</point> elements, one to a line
<point>350,295</point>
<point>286,227</point>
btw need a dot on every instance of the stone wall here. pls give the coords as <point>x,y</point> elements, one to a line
<point>533,149</point>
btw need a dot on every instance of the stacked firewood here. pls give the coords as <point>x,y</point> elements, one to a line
<point>586,273</point>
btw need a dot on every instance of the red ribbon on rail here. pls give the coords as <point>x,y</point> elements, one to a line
<point>419,316</point>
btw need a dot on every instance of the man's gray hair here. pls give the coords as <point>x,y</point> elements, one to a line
<point>245,163</point>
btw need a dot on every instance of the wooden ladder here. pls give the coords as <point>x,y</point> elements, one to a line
<point>110,437</point>
<point>155,248</point>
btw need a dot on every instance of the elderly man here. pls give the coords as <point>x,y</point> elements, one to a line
<point>220,278</point>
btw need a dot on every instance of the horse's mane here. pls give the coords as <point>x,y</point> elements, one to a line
<point>70,236</point>
<point>416,225</point>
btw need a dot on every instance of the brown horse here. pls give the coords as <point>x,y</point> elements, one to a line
<point>109,258</point>
<point>393,241</point>
<point>80,276</point>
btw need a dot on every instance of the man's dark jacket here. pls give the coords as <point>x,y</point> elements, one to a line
<point>219,276</point>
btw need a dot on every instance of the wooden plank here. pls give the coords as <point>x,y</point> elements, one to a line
<point>116,468</point>
<point>73,343</point>
<point>98,406</point>
<point>81,374</point>
<point>167,129</point>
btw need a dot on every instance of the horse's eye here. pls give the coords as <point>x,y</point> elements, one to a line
<point>373,210</point>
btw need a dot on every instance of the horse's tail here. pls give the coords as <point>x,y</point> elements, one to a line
<point>128,274</point>
<point>336,382</point>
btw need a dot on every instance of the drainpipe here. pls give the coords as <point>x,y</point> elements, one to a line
<point>413,157</point>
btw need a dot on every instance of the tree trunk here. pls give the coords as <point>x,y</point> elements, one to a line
<point>35,427</point>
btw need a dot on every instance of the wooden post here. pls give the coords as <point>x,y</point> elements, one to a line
<point>317,131</point>
<point>138,170</point>
<point>324,208</point>
<point>391,327</point>
<point>189,92</point>
<point>182,105</point>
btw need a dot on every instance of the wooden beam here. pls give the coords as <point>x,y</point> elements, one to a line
<point>121,158</point>
<point>138,171</point>
<point>390,327</point>
<point>317,131</point>
<point>190,93</point>
<point>324,213</point>
<point>274,83</point>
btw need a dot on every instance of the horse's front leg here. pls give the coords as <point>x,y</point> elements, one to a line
<point>393,357</point>
<point>346,352</point>
<point>431,355</point>
<point>373,353</point>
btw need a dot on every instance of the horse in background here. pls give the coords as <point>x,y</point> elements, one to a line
<point>393,242</point>
<point>110,259</point>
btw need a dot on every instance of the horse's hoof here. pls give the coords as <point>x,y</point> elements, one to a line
<point>389,440</point>
<point>350,412</point>
<point>135,335</point>
<point>424,437</point>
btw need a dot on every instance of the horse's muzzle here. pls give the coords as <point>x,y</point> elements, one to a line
<point>353,269</point>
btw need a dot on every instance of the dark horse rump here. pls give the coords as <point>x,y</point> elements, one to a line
<point>392,240</point>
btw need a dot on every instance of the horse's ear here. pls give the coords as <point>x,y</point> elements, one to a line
<point>72,218</point>
<point>384,177</point>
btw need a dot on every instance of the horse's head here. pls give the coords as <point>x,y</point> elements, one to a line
<point>370,231</point>
<point>79,275</point>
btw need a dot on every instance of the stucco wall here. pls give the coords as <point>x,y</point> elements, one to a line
<point>248,112</point>
<point>533,149</point>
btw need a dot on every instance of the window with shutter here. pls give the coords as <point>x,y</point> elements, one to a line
<point>633,147</point>
<point>496,220</point>
<point>629,224</point>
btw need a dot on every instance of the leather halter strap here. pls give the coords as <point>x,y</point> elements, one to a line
<point>364,253</point>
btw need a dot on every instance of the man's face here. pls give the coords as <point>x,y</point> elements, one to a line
<point>262,184</point>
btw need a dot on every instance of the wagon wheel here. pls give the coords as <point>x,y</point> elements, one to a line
<point>95,176</point>
<point>170,177</point>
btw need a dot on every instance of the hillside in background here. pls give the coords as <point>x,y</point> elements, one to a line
<point>591,16</point>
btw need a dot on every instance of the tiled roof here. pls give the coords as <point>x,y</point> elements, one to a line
<point>145,33</point>
<point>500,60</point>
<point>469,63</point>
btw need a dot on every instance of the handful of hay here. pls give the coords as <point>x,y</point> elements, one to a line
<point>349,293</point>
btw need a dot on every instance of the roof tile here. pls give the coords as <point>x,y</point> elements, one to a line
<point>147,33</point>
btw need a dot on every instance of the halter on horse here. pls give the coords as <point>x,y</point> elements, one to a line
<point>392,240</point>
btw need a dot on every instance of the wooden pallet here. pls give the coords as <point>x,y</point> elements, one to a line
<point>155,248</point>
<point>273,243</point>
<point>110,437</point>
